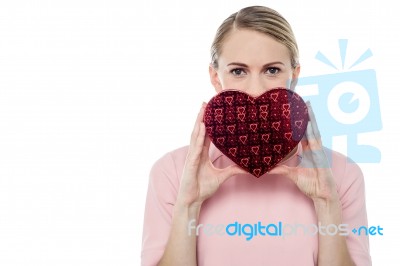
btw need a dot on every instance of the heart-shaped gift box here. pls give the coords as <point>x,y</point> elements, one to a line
<point>256,133</point>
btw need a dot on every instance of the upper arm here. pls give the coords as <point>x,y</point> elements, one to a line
<point>161,195</point>
<point>354,212</point>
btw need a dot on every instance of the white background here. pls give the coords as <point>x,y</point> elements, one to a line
<point>93,92</point>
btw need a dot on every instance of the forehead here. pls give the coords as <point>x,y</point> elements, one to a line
<point>252,47</point>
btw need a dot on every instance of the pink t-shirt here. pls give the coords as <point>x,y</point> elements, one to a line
<point>254,221</point>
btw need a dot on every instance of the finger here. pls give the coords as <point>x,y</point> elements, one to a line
<point>200,115</point>
<point>202,127</point>
<point>313,121</point>
<point>285,171</point>
<point>312,143</point>
<point>207,141</point>
<point>195,130</point>
<point>280,170</point>
<point>200,141</point>
<point>314,150</point>
<point>313,154</point>
<point>230,171</point>
<point>312,131</point>
<point>206,145</point>
<point>197,137</point>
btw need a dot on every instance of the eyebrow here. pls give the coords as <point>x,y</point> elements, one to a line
<point>244,65</point>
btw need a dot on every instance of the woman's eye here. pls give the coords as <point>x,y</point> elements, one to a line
<point>272,70</point>
<point>238,72</point>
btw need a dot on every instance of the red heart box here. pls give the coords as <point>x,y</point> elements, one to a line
<point>256,133</point>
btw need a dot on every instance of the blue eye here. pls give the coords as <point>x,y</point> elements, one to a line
<point>272,70</point>
<point>238,72</point>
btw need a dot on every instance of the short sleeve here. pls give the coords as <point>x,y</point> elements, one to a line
<point>352,196</point>
<point>161,196</point>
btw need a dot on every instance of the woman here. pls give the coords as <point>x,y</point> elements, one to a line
<point>203,210</point>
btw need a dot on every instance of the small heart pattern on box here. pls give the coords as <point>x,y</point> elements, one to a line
<point>256,133</point>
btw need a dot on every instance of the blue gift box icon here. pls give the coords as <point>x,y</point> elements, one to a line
<point>345,103</point>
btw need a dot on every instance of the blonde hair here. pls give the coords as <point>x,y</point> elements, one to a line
<point>261,19</point>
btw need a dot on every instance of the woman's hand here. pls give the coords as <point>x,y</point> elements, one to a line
<point>200,179</point>
<point>315,179</point>
<point>313,176</point>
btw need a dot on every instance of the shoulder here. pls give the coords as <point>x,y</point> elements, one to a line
<point>347,174</point>
<point>351,189</point>
<point>170,165</point>
<point>172,158</point>
<point>341,163</point>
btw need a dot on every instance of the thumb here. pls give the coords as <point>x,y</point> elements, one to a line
<point>280,170</point>
<point>285,171</point>
<point>231,171</point>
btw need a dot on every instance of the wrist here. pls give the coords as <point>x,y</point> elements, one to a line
<point>190,210</point>
<point>328,199</point>
<point>328,210</point>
